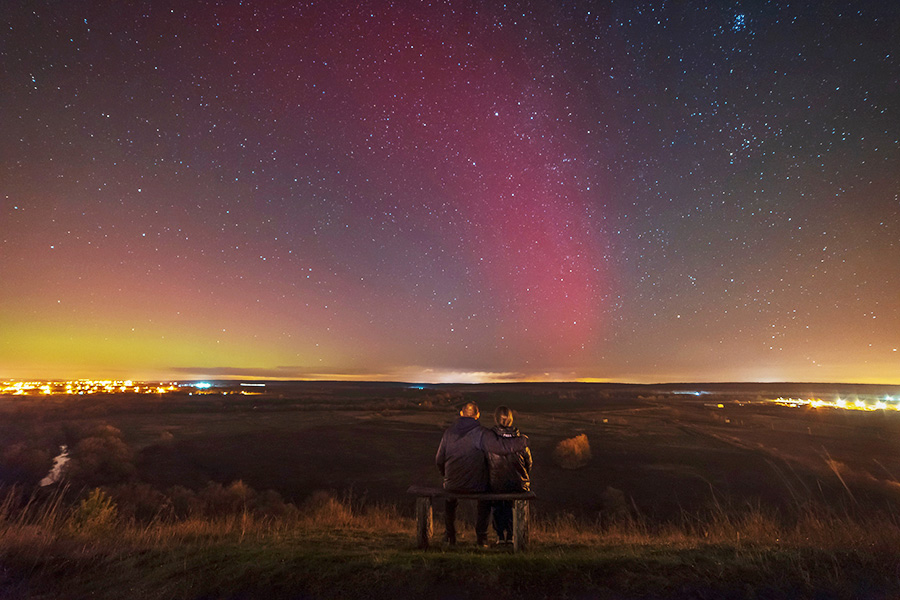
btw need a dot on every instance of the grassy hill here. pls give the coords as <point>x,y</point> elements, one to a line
<point>326,549</point>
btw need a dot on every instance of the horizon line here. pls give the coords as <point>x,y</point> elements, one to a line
<point>577,381</point>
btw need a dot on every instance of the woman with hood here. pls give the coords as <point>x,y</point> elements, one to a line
<point>508,473</point>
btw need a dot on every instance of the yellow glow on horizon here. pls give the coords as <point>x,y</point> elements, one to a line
<point>88,351</point>
<point>73,352</point>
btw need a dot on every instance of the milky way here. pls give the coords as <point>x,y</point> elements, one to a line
<point>451,191</point>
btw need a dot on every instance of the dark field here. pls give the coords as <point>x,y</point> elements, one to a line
<point>671,454</point>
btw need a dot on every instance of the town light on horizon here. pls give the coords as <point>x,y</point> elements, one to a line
<point>857,403</point>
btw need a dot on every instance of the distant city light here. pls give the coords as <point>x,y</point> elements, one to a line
<point>888,403</point>
<point>82,387</point>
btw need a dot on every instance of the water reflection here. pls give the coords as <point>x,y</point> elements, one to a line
<point>56,472</point>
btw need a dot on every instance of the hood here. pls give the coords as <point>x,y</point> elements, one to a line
<point>506,431</point>
<point>464,425</point>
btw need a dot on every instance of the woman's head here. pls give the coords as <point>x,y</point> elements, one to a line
<point>503,416</point>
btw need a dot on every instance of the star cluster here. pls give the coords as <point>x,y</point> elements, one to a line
<point>451,191</point>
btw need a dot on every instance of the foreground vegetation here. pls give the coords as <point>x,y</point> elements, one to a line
<point>332,548</point>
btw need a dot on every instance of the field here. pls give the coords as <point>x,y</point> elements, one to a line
<point>666,452</point>
<point>668,466</point>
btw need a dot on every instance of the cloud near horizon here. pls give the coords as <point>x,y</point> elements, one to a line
<point>278,372</point>
<point>411,374</point>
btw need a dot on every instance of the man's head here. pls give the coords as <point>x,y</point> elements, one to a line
<point>470,410</point>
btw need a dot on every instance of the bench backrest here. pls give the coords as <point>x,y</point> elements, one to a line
<point>436,492</point>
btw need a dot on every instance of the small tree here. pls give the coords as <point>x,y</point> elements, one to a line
<point>95,513</point>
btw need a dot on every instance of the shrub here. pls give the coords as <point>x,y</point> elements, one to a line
<point>102,458</point>
<point>221,501</point>
<point>96,513</point>
<point>322,507</point>
<point>185,502</point>
<point>615,507</point>
<point>25,462</point>
<point>269,503</point>
<point>141,502</point>
<point>573,453</point>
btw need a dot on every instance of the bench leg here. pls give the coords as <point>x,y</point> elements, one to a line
<point>424,522</point>
<point>520,525</point>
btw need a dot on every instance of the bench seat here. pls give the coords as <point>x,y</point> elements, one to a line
<point>425,519</point>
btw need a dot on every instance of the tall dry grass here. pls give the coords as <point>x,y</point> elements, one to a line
<point>32,525</point>
<point>815,527</point>
<point>35,523</point>
<point>44,538</point>
<point>333,548</point>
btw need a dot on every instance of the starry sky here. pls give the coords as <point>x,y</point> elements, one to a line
<point>450,191</point>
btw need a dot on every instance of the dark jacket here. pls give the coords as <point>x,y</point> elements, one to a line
<point>509,472</point>
<point>462,455</point>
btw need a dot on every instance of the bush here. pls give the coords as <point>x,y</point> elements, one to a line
<point>573,453</point>
<point>103,458</point>
<point>185,502</point>
<point>322,507</point>
<point>615,507</point>
<point>221,501</point>
<point>96,513</point>
<point>269,503</point>
<point>141,502</point>
<point>25,462</point>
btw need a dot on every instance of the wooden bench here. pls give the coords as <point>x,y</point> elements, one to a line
<point>424,516</point>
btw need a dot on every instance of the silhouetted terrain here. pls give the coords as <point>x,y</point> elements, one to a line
<point>299,492</point>
<point>666,449</point>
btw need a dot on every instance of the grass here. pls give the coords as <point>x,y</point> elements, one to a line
<point>331,549</point>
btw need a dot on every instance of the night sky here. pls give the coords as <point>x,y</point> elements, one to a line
<point>450,191</point>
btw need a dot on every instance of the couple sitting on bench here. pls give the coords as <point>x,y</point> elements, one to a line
<point>474,459</point>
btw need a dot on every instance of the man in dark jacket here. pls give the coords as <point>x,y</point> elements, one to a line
<point>462,460</point>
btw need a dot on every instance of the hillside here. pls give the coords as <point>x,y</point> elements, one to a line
<point>676,492</point>
<point>328,550</point>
